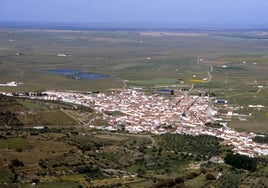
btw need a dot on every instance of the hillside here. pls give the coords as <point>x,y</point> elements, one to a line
<point>71,155</point>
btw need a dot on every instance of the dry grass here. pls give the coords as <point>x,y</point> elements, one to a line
<point>47,118</point>
<point>40,149</point>
<point>250,126</point>
<point>115,181</point>
<point>197,81</point>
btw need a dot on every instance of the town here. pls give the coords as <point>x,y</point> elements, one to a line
<point>159,114</point>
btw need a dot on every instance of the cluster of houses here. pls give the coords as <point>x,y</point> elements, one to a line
<point>11,84</point>
<point>159,114</point>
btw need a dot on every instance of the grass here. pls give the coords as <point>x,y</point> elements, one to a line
<point>58,185</point>
<point>5,175</point>
<point>71,159</point>
<point>116,181</point>
<point>3,143</point>
<point>18,144</point>
<point>47,118</point>
<point>140,183</point>
<point>157,81</point>
<point>120,55</point>
<point>100,122</point>
<point>73,178</point>
<point>249,126</point>
<point>124,59</point>
<point>197,81</point>
<point>196,182</point>
<point>32,105</point>
<point>244,58</point>
<point>112,157</point>
<point>38,147</point>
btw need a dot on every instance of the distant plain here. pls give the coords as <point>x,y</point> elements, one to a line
<point>143,59</point>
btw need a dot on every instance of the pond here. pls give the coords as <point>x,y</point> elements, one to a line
<point>77,74</point>
<point>163,90</point>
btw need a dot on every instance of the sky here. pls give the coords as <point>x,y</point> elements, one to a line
<point>191,12</point>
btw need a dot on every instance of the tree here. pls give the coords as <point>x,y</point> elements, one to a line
<point>210,176</point>
<point>141,172</point>
<point>42,163</point>
<point>261,139</point>
<point>16,163</point>
<point>240,161</point>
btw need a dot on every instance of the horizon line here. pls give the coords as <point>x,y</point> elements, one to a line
<point>127,25</point>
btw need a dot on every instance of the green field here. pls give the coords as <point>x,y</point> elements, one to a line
<point>58,185</point>
<point>47,118</point>
<point>32,105</point>
<point>120,55</point>
<point>18,144</point>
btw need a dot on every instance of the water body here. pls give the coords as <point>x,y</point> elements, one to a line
<point>77,74</point>
<point>164,90</point>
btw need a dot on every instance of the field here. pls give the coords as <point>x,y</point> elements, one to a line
<point>237,62</point>
<point>140,58</point>
<point>18,144</point>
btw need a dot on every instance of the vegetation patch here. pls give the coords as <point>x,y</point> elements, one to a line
<point>158,81</point>
<point>5,175</point>
<point>213,125</point>
<point>239,58</point>
<point>73,178</point>
<point>240,161</point>
<point>203,144</point>
<point>58,185</point>
<point>197,81</point>
<point>9,119</point>
<point>32,105</point>
<point>261,139</point>
<point>100,122</point>
<point>47,118</point>
<point>114,113</point>
<point>16,143</point>
<point>9,104</point>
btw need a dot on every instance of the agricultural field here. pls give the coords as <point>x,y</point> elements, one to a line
<point>143,60</point>
<point>232,64</point>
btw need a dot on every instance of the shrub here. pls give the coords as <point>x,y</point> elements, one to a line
<point>240,161</point>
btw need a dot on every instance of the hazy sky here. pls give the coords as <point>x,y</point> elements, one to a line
<point>236,12</point>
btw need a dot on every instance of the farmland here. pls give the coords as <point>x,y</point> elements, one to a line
<point>143,60</point>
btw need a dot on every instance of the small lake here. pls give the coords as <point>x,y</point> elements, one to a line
<point>163,90</point>
<point>77,74</point>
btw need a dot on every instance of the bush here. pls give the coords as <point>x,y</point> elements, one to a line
<point>210,176</point>
<point>261,139</point>
<point>42,163</point>
<point>240,161</point>
<point>89,171</point>
<point>16,163</point>
<point>169,182</point>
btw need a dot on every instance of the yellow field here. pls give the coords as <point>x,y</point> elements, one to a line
<point>197,81</point>
<point>115,180</point>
